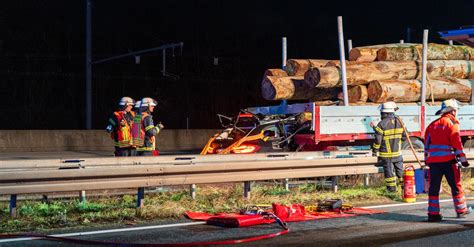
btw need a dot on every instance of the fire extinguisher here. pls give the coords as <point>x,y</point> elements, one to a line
<point>409,187</point>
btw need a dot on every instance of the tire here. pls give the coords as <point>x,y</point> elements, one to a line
<point>417,144</point>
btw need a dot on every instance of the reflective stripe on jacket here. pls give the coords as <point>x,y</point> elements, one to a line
<point>389,135</point>
<point>442,140</point>
<point>149,131</point>
<point>120,128</point>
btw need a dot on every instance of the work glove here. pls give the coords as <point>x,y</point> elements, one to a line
<point>161,126</point>
<point>375,152</point>
<point>373,123</point>
<point>463,161</point>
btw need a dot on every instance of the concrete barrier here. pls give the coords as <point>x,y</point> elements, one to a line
<point>94,140</point>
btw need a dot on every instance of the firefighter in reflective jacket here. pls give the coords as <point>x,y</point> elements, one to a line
<point>148,131</point>
<point>443,154</point>
<point>119,127</point>
<point>389,136</point>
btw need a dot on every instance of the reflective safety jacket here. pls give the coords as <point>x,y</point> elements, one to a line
<point>389,136</point>
<point>148,131</point>
<point>120,128</point>
<point>442,140</point>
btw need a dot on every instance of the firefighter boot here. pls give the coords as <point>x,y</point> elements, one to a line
<point>435,217</point>
<point>464,214</point>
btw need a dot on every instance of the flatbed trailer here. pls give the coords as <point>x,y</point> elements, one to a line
<point>350,125</point>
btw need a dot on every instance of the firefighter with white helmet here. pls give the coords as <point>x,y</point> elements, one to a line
<point>444,155</point>
<point>389,136</point>
<point>144,131</point>
<point>119,126</point>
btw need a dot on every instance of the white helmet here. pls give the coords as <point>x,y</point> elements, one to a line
<point>388,107</point>
<point>148,102</point>
<point>126,101</point>
<point>447,106</point>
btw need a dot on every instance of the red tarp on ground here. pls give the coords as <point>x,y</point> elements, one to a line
<point>291,213</point>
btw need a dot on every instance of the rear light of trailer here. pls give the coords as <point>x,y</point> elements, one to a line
<point>246,149</point>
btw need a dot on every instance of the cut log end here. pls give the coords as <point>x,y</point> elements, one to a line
<point>312,78</point>
<point>354,54</point>
<point>268,90</point>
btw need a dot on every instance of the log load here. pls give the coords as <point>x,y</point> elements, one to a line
<point>275,72</point>
<point>410,90</point>
<point>435,52</point>
<point>297,67</point>
<point>294,88</point>
<point>356,94</point>
<point>369,53</point>
<point>362,73</point>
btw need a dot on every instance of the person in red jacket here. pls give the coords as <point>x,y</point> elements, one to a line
<point>443,153</point>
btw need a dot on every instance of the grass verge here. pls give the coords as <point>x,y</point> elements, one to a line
<point>70,213</point>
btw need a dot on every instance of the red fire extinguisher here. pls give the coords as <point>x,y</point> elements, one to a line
<point>409,187</point>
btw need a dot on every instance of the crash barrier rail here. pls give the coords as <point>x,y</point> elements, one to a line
<point>45,176</point>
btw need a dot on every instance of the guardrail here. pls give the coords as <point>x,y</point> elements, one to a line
<point>43,176</point>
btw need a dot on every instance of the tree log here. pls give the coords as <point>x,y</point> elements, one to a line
<point>435,52</point>
<point>338,62</point>
<point>410,90</point>
<point>280,88</point>
<point>369,53</point>
<point>297,67</point>
<point>356,94</point>
<point>275,72</point>
<point>453,68</point>
<point>294,88</point>
<point>362,73</point>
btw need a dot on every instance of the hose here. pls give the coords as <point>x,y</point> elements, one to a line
<point>409,142</point>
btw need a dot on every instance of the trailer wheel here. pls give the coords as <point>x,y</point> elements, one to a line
<point>417,144</point>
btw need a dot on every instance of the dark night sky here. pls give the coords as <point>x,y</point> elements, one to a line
<point>42,51</point>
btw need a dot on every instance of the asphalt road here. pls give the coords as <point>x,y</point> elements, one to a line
<point>399,226</point>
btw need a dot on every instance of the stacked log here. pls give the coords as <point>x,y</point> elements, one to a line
<point>297,67</point>
<point>435,52</point>
<point>377,74</point>
<point>294,88</point>
<point>362,73</point>
<point>369,53</point>
<point>450,68</point>
<point>410,90</point>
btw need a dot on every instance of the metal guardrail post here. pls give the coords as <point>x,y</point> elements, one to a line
<point>247,190</point>
<point>286,182</point>
<point>13,206</point>
<point>82,196</point>
<point>334,184</point>
<point>192,191</point>
<point>140,199</point>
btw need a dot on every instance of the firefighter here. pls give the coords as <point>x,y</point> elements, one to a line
<point>443,154</point>
<point>136,111</point>
<point>148,131</point>
<point>389,136</point>
<point>119,127</point>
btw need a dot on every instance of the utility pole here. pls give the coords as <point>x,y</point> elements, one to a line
<point>88,109</point>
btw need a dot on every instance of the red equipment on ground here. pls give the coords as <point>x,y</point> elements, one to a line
<point>409,186</point>
<point>293,213</point>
